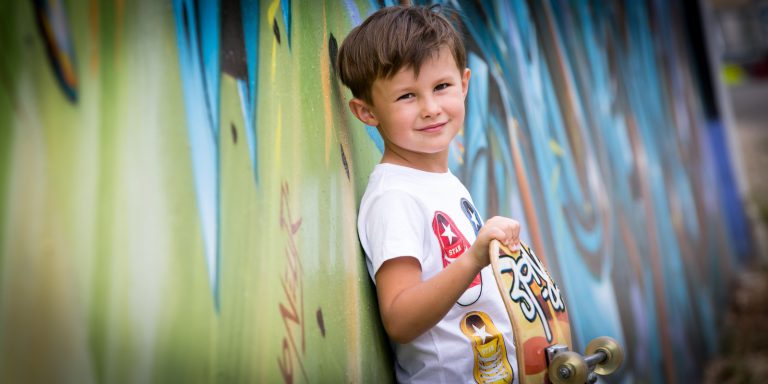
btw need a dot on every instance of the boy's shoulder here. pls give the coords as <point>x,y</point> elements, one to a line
<point>390,178</point>
<point>386,177</point>
<point>393,173</point>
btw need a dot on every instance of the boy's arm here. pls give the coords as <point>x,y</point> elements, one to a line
<point>410,307</point>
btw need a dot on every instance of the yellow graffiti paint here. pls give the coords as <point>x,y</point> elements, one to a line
<point>279,134</point>
<point>556,148</point>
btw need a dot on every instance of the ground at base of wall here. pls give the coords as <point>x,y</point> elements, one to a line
<point>744,343</point>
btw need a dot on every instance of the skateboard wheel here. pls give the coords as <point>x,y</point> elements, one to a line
<point>567,368</point>
<point>614,354</point>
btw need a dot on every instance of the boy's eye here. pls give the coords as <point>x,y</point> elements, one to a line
<point>406,96</point>
<point>442,86</point>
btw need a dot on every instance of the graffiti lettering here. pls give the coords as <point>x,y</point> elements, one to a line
<point>550,291</point>
<point>526,271</point>
<point>292,308</point>
<point>286,367</point>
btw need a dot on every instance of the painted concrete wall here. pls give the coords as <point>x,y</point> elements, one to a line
<point>179,184</point>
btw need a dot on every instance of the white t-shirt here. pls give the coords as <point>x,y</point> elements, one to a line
<point>430,216</point>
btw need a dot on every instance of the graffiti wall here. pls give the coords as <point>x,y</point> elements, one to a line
<point>179,184</point>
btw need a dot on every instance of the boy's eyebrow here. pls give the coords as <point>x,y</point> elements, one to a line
<point>402,89</point>
<point>445,79</point>
<point>397,92</point>
<point>394,90</point>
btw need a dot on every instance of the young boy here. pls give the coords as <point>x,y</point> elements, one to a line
<point>426,247</point>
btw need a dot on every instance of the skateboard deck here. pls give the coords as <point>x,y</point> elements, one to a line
<point>535,307</point>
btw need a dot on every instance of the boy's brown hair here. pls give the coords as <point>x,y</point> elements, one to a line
<point>393,38</point>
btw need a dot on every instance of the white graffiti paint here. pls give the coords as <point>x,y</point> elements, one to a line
<point>525,271</point>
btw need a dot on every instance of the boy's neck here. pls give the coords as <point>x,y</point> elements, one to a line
<point>436,163</point>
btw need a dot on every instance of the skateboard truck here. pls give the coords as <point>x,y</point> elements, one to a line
<point>603,356</point>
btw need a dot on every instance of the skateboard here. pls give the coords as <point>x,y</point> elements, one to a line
<point>541,326</point>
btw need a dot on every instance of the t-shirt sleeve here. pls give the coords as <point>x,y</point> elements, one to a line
<point>394,228</point>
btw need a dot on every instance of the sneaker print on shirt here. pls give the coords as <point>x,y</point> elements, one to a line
<point>491,364</point>
<point>452,245</point>
<point>472,215</point>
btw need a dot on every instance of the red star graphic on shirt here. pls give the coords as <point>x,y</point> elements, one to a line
<point>452,245</point>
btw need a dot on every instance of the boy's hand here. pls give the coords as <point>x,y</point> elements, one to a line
<point>503,229</point>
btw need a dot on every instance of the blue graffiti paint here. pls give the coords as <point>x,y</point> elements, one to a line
<point>729,199</point>
<point>468,155</point>
<point>375,136</point>
<point>645,99</point>
<point>251,16</point>
<point>197,26</point>
<point>285,6</point>
<point>53,25</point>
<point>353,12</point>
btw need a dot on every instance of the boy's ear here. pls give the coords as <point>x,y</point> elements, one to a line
<point>363,112</point>
<point>465,82</point>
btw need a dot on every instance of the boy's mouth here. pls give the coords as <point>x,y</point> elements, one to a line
<point>433,127</point>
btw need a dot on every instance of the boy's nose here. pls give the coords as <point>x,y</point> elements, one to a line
<point>429,107</point>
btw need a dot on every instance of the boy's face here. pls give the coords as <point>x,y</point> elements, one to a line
<point>418,116</point>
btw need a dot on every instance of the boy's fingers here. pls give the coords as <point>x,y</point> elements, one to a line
<point>514,234</point>
<point>507,231</point>
<point>512,229</point>
<point>516,227</point>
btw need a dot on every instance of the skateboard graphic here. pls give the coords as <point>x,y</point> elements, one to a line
<point>541,326</point>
